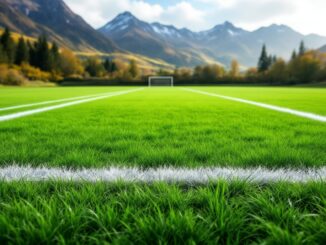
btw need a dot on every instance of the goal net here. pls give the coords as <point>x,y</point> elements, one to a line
<point>160,81</point>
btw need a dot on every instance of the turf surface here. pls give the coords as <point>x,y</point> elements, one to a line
<point>158,127</point>
<point>170,127</point>
<point>220,213</point>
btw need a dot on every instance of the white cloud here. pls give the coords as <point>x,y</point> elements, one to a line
<point>306,16</point>
<point>99,12</point>
<point>182,15</point>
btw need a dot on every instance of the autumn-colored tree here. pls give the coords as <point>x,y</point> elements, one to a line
<point>69,64</point>
<point>94,67</point>
<point>235,68</point>
<point>305,68</point>
<point>278,72</point>
<point>133,69</point>
<point>183,73</point>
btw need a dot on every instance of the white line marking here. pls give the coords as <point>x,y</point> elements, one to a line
<point>51,101</point>
<point>166,174</point>
<point>50,108</point>
<point>267,106</point>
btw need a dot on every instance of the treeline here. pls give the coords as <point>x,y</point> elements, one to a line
<point>305,66</point>
<point>24,60</point>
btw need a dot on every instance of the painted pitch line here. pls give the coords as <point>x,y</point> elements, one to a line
<point>308,115</point>
<point>50,108</point>
<point>51,102</point>
<point>165,174</point>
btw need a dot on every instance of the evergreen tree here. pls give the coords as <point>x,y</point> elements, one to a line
<point>8,46</point>
<point>107,65</point>
<point>42,54</point>
<point>294,55</point>
<point>55,57</point>
<point>32,53</point>
<point>22,52</point>
<point>302,49</point>
<point>110,66</point>
<point>114,67</point>
<point>270,61</point>
<point>3,55</point>
<point>264,60</point>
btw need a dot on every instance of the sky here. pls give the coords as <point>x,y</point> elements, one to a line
<point>305,16</point>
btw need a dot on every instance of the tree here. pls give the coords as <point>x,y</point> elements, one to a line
<point>69,64</point>
<point>306,68</point>
<point>278,72</point>
<point>302,49</point>
<point>8,46</point>
<point>235,68</point>
<point>212,72</point>
<point>133,69</point>
<point>264,60</point>
<point>107,65</point>
<point>32,53</point>
<point>94,67</point>
<point>22,52</point>
<point>41,56</point>
<point>294,55</point>
<point>110,66</point>
<point>54,57</point>
<point>3,55</point>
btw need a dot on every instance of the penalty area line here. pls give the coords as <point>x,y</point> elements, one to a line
<point>52,101</point>
<point>163,174</point>
<point>308,115</point>
<point>50,108</point>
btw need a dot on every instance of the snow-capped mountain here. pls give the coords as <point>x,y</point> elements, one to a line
<point>222,43</point>
<point>154,40</point>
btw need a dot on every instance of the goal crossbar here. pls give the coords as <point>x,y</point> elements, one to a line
<point>160,79</point>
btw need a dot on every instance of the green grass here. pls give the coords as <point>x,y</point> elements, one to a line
<point>220,213</point>
<point>166,126</point>
<point>11,96</point>
<point>304,99</point>
<point>158,127</point>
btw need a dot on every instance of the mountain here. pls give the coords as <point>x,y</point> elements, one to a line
<point>55,19</point>
<point>323,49</point>
<point>154,40</point>
<point>222,43</point>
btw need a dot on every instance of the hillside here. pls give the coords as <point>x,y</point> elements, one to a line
<point>55,19</point>
<point>323,49</point>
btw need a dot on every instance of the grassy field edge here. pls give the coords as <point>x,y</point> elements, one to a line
<point>227,213</point>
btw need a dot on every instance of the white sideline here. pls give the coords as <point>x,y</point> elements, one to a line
<point>51,101</point>
<point>50,108</point>
<point>166,174</point>
<point>267,106</point>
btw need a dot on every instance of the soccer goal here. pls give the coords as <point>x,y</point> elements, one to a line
<point>161,81</point>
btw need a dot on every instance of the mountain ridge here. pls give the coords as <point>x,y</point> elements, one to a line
<point>222,43</point>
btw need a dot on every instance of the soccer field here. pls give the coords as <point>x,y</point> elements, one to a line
<point>207,165</point>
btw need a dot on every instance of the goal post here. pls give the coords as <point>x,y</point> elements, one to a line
<point>161,81</point>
